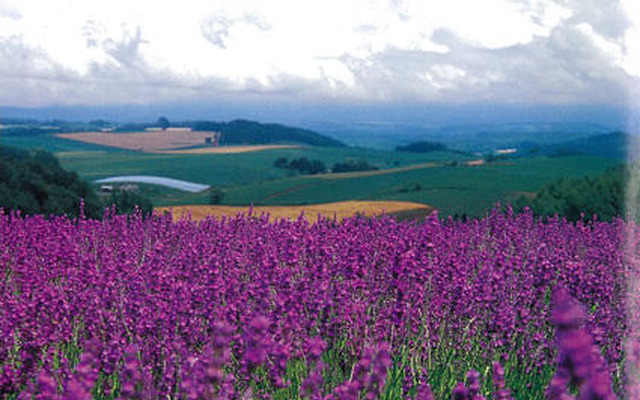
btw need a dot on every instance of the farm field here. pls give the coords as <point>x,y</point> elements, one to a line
<point>453,183</point>
<point>339,210</point>
<point>470,190</point>
<point>502,307</point>
<point>54,144</point>
<point>251,178</point>
<point>163,142</point>
<point>227,169</point>
<point>141,141</point>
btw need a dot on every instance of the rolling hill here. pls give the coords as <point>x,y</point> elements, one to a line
<point>242,131</point>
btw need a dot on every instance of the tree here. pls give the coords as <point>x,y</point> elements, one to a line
<point>352,166</point>
<point>602,195</point>
<point>163,123</point>
<point>303,165</point>
<point>126,202</point>
<point>215,196</point>
<point>281,162</point>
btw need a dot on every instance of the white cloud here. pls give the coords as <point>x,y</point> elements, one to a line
<point>75,51</point>
<point>631,53</point>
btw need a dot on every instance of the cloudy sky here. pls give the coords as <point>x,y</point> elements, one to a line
<point>94,52</point>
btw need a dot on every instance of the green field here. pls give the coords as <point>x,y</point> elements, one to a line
<point>227,170</point>
<point>251,178</point>
<point>453,190</point>
<point>52,143</point>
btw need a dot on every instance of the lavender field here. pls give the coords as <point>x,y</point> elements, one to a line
<point>132,308</point>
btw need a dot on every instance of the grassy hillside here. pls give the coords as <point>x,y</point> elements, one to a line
<point>453,190</point>
<point>251,132</point>
<point>51,143</point>
<point>230,169</point>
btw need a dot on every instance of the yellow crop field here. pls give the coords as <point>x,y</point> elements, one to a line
<point>340,210</point>
<point>230,149</point>
<point>165,142</point>
<point>142,141</point>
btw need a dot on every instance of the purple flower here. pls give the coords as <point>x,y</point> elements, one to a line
<point>311,387</point>
<point>316,346</point>
<point>580,361</point>
<point>460,392</point>
<point>474,385</point>
<point>424,392</point>
<point>500,390</point>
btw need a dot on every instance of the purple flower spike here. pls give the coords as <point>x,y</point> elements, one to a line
<point>580,361</point>
<point>80,385</point>
<point>473,382</point>
<point>460,392</point>
<point>316,346</point>
<point>47,387</point>
<point>500,390</point>
<point>311,387</point>
<point>257,342</point>
<point>424,392</point>
<point>567,312</point>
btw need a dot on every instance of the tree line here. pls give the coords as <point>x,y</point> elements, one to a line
<point>581,198</point>
<point>306,166</point>
<point>422,146</point>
